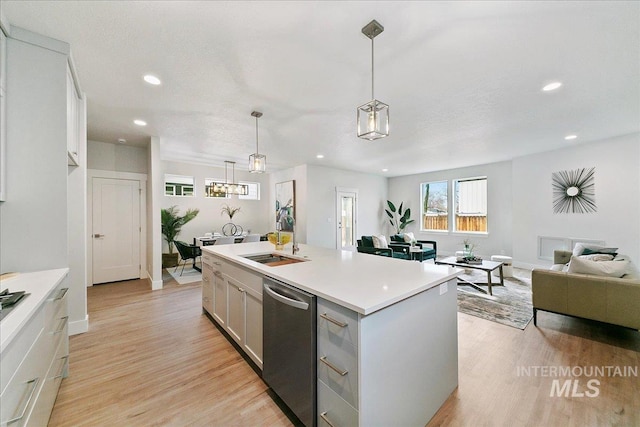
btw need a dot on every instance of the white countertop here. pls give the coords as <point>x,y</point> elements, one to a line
<point>38,285</point>
<point>361,282</point>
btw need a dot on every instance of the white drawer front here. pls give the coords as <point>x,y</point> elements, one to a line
<point>340,322</point>
<point>338,367</point>
<point>333,410</point>
<point>14,354</point>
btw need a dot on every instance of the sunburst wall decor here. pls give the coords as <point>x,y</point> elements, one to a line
<point>574,191</point>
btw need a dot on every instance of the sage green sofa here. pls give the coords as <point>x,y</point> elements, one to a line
<point>605,299</point>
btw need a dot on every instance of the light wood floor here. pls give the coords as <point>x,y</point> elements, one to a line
<point>151,358</point>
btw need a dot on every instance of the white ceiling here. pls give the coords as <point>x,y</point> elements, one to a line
<point>463,79</point>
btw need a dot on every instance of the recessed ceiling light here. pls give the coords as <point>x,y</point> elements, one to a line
<point>552,86</point>
<point>570,137</point>
<point>320,156</point>
<point>122,141</point>
<point>385,170</point>
<point>152,80</point>
<point>140,122</point>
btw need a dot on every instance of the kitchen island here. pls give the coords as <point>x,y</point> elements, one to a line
<point>386,328</point>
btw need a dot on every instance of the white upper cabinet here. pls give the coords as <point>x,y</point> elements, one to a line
<point>3,113</point>
<point>74,119</point>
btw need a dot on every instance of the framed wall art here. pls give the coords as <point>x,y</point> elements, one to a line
<point>574,191</point>
<point>285,205</point>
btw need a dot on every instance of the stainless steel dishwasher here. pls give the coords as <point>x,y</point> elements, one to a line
<point>289,347</point>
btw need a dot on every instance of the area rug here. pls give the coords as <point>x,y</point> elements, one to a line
<point>509,305</point>
<point>189,275</point>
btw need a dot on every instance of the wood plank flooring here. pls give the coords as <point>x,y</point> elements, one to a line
<point>151,358</point>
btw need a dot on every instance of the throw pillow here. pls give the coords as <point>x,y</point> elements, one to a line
<point>597,257</point>
<point>612,251</point>
<point>579,248</point>
<point>408,237</point>
<point>380,242</point>
<point>557,267</point>
<point>598,268</point>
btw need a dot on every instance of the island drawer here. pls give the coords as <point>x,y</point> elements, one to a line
<point>341,323</point>
<point>333,410</point>
<point>337,366</point>
<point>207,259</point>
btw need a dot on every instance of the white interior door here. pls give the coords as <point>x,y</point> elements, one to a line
<point>116,230</point>
<point>346,215</point>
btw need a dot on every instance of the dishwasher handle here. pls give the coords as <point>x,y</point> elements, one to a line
<point>285,300</point>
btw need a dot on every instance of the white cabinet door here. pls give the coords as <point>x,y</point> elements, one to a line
<point>235,319</point>
<point>207,288</point>
<point>72,119</point>
<point>3,115</point>
<point>219,298</point>
<point>253,325</point>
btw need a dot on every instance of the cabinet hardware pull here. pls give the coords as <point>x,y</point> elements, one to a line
<point>205,279</point>
<point>334,321</point>
<point>61,294</point>
<point>326,419</point>
<point>324,360</point>
<point>64,361</point>
<point>63,322</point>
<point>217,263</point>
<point>218,274</point>
<point>34,385</point>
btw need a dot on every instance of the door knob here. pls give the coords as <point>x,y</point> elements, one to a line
<point>97,236</point>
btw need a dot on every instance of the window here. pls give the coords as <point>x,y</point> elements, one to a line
<point>254,191</point>
<point>470,204</point>
<point>435,202</point>
<point>178,185</point>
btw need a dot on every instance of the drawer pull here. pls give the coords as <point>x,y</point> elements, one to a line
<point>34,385</point>
<point>218,274</point>
<point>63,322</point>
<point>205,279</point>
<point>64,361</point>
<point>61,293</point>
<point>219,264</point>
<point>332,320</point>
<point>324,360</point>
<point>326,419</point>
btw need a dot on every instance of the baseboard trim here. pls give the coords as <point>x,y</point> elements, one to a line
<point>79,326</point>
<point>155,284</point>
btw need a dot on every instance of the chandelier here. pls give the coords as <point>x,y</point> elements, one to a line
<point>222,189</point>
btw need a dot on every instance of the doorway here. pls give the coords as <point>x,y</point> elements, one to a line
<point>346,218</point>
<point>116,229</point>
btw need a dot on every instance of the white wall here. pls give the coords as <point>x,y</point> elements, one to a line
<point>617,193</point>
<point>117,157</point>
<point>155,189</point>
<point>253,213</point>
<point>497,241</point>
<point>321,207</point>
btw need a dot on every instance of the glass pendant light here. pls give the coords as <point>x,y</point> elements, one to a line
<point>257,161</point>
<point>373,117</point>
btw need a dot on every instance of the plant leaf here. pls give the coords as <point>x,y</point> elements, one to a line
<point>400,209</point>
<point>389,213</point>
<point>391,206</point>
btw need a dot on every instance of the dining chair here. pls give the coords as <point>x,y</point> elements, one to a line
<point>251,238</point>
<point>225,240</point>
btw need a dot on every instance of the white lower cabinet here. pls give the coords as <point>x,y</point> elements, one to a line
<point>207,286</point>
<point>237,305</point>
<point>35,363</point>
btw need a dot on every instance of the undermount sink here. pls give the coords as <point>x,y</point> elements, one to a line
<point>273,260</point>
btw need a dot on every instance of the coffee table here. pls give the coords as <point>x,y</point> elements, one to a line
<point>417,254</point>
<point>487,266</point>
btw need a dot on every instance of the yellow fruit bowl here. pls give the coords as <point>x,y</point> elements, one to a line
<point>284,238</point>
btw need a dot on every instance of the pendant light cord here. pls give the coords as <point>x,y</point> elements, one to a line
<point>372,74</point>
<point>257,150</point>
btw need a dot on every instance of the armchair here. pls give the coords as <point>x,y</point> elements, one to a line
<point>187,252</point>
<point>365,245</point>
<point>428,252</point>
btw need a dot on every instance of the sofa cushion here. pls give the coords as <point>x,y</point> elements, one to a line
<point>367,241</point>
<point>380,242</point>
<point>408,237</point>
<point>579,247</point>
<point>598,268</point>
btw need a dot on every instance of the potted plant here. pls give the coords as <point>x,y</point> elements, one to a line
<point>172,224</point>
<point>226,209</point>
<point>397,218</point>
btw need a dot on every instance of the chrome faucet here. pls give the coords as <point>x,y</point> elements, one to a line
<point>294,247</point>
